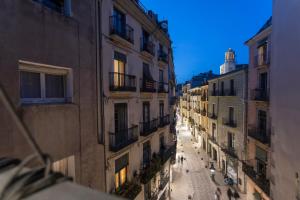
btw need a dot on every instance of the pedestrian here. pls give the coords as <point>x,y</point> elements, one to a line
<point>229,193</point>
<point>178,159</point>
<point>218,194</point>
<point>236,195</point>
<point>181,159</point>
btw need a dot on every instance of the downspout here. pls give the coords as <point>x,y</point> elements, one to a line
<point>99,86</point>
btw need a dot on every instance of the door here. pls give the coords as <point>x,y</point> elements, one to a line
<point>121,123</point>
<point>119,21</point>
<point>263,82</point>
<point>119,69</point>
<point>146,116</point>
<point>146,153</point>
<point>161,109</point>
<point>262,122</point>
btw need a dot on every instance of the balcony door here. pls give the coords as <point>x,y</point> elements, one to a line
<point>231,140</point>
<point>262,122</point>
<point>146,153</point>
<point>146,38</point>
<point>263,81</point>
<point>119,21</point>
<point>146,112</point>
<point>161,109</point>
<point>231,115</point>
<point>121,122</point>
<point>214,131</point>
<point>119,69</point>
<point>162,143</point>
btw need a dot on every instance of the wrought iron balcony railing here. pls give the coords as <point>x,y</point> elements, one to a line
<point>164,181</point>
<point>147,46</point>
<point>129,190</point>
<point>121,82</point>
<point>146,128</point>
<point>149,171</point>
<point>259,179</point>
<point>118,27</point>
<point>164,121</point>
<point>261,135</point>
<point>231,151</point>
<point>260,94</point>
<point>229,122</point>
<point>163,87</point>
<point>148,86</point>
<point>203,112</point>
<point>212,116</point>
<point>122,138</point>
<point>167,152</point>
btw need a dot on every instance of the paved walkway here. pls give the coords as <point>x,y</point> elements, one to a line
<point>192,178</point>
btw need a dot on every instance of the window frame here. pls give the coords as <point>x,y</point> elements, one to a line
<point>43,70</point>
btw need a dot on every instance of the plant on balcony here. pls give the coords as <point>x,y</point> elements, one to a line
<point>150,171</point>
<point>129,190</point>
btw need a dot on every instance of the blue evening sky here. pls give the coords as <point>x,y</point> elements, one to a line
<point>202,30</point>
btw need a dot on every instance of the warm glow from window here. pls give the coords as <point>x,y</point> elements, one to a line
<point>120,177</point>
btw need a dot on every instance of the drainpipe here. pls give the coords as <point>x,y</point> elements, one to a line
<point>99,86</point>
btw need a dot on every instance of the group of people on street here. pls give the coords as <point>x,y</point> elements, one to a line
<point>180,159</point>
<point>230,194</point>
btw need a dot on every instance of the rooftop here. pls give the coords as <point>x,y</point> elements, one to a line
<point>267,24</point>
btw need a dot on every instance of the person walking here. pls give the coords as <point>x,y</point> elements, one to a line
<point>229,193</point>
<point>181,159</point>
<point>218,194</point>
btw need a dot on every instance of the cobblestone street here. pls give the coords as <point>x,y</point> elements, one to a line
<point>191,178</point>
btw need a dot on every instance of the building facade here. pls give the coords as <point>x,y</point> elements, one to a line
<point>284,101</point>
<point>48,68</point>
<point>257,163</point>
<point>138,84</point>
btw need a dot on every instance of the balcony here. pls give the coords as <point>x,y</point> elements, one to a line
<point>229,122</point>
<point>229,150</point>
<point>146,128</point>
<point>228,92</point>
<point>147,47</point>
<point>148,86</point>
<point>164,121</point>
<point>163,87</point>
<point>213,139</point>
<point>162,57</point>
<point>118,28</point>
<point>122,82</point>
<point>123,138</point>
<point>129,190</point>
<point>260,94</point>
<point>203,98</point>
<point>258,134</point>
<point>203,112</point>
<point>197,110</point>
<point>149,171</point>
<point>167,152</point>
<point>212,116</point>
<point>173,101</point>
<point>259,179</point>
<point>163,182</point>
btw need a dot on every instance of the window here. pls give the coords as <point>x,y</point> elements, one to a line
<point>119,22</point>
<point>121,122</point>
<point>162,143</point>
<point>214,89</point>
<point>231,140</point>
<point>161,109</point>
<point>213,109</point>
<point>146,153</point>
<point>214,130</point>
<point>45,84</point>
<point>262,53</point>
<point>61,6</point>
<point>121,166</point>
<point>263,81</point>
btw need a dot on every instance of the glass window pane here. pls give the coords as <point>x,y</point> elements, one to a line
<point>123,176</point>
<point>117,180</point>
<point>30,85</point>
<point>55,87</point>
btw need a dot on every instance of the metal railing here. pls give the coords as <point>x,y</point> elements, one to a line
<point>229,150</point>
<point>162,56</point>
<point>164,181</point>
<point>212,116</point>
<point>259,94</point>
<point>164,121</point>
<point>261,135</point>
<point>167,152</point>
<point>147,46</point>
<point>203,112</point>
<point>229,122</point>
<point>147,128</point>
<point>122,138</point>
<point>147,172</point>
<point>259,179</point>
<point>148,86</point>
<point>163,87</point>
<point>122,82</point>
<point>118,27</point>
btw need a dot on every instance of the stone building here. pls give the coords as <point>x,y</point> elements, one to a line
<point>257,163</point>
<point>138,82</point>
<point>226,124</point>
<point>48,68</point>
<point>284,101</point>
